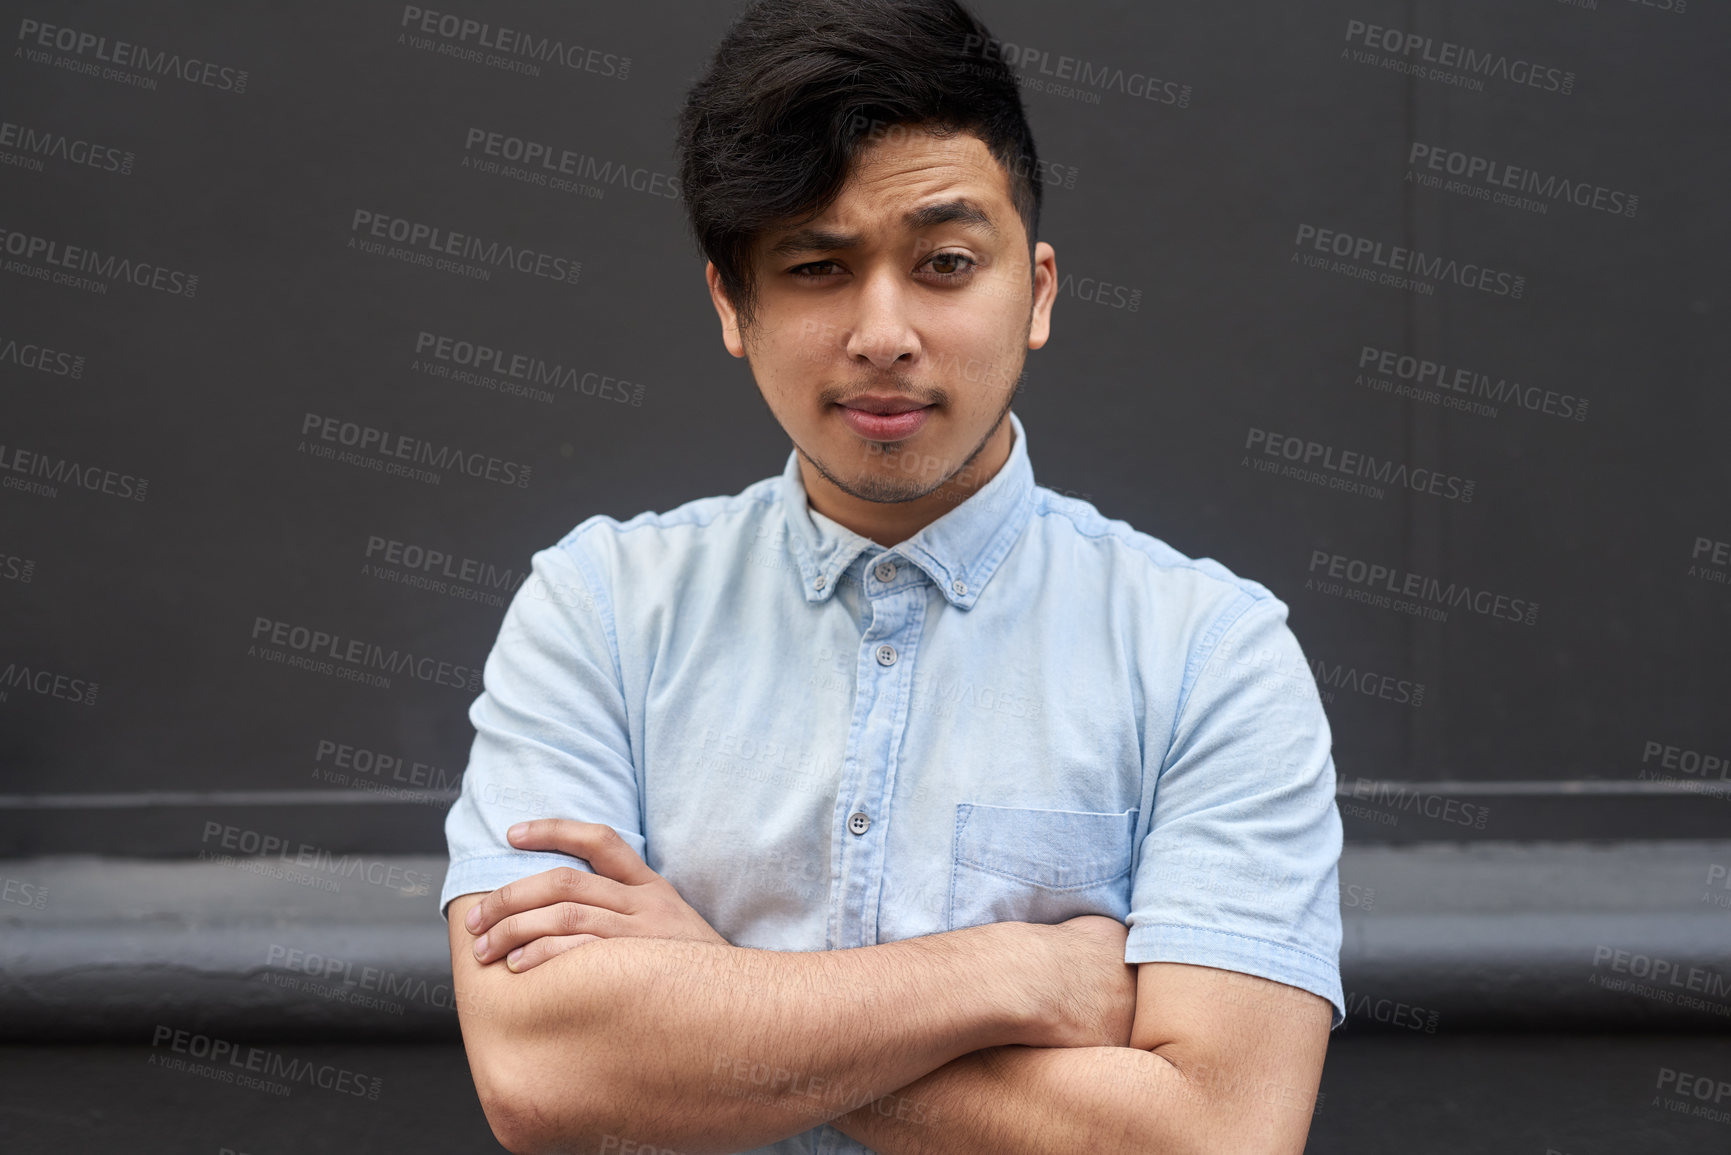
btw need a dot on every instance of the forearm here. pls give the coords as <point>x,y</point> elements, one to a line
<point>707,1048</point>
<point>1018,1100</point>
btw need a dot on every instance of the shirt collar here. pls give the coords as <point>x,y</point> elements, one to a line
<point>960,551</point>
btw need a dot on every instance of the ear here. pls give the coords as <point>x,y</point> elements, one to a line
<point>724,310</point>
<point>1045,292</point>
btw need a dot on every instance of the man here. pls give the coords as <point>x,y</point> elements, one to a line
<point>894,803</point>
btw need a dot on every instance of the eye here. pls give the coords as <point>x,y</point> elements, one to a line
<point>801,270</point>
<point>955,266</point>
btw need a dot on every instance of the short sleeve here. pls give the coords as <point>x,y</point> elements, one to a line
<point>551,731</point>
<point>1239,868</point>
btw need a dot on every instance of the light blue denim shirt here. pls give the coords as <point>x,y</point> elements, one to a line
<point>1025,712</point>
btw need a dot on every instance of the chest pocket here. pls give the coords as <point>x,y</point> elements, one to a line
<point>1013,864</point>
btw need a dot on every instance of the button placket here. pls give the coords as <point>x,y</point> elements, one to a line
<point>891,615</point>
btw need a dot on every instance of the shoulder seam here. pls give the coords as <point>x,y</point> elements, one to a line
<point>599,589</point>
<point>1126,537</point>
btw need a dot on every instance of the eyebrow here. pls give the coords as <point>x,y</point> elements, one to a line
<point>961,211</point>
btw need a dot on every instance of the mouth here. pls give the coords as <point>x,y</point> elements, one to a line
<point>884,406</point>
<point>884,419</point>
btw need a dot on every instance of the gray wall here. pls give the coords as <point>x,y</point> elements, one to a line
<point>1194,172</point>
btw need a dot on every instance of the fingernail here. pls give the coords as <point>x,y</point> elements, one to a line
<point>518,830</point>
<point>481,946</point>
<point>511,959</point>
<point>472,920</point>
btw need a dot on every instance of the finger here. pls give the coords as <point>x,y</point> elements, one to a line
<point>565,918</point>
<point>595,842</point>
<point>534,954</point>
<point>561,884</point>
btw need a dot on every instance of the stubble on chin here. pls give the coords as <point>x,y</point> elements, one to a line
<point>886,489</point>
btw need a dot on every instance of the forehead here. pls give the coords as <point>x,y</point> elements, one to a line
<point>901,166</point>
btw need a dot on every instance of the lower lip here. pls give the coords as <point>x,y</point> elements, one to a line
<point>885,426</point>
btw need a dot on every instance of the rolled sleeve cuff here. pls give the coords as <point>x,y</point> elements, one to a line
<point>493,871</point>
<point>1200,946</point>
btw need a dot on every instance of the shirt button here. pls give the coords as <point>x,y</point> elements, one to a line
<point>886,571</point>
<point>886,655</point>
<point>860,822</point>
<point>817,582</point>
<point>959,586</point>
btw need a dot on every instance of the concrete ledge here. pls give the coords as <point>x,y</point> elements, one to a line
<point>1525,935</point>
<point>1437,937</point>
<point>114,948</point>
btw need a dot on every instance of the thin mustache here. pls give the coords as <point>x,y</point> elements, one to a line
<point>896,388</point>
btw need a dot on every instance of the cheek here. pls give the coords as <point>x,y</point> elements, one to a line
<point>784,368</point>
<point>979,363</point>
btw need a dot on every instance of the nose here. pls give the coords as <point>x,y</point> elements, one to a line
<point>882,332</point>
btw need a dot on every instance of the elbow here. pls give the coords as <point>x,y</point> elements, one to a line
<point>517,1130</point>
<point>528,1118</point>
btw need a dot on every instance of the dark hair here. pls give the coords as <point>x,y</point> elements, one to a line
<point>796,88</point>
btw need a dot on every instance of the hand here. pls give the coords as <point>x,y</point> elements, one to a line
<point>1095,988</point>
<point>529,921</point>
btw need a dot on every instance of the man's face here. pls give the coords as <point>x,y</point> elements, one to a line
<point>912,288</point>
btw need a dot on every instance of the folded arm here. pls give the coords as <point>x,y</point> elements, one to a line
<point>705,1047</point>
<point>1219,1062</point>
